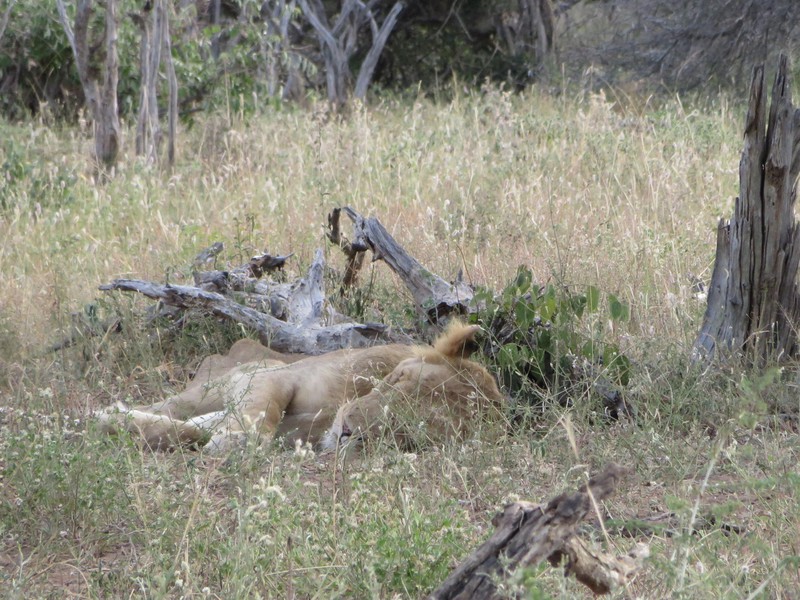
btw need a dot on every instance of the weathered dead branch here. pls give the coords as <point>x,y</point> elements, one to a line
<point>278,335</point>
<point>308,326</point>
<point>245,277</point>
<point>526,533</point>
<point>353,252</point>
<point>753,301</point>
<point>434,297</point>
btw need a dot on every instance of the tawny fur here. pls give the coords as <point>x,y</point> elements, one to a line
<point>436,395</point>
<point>254,390</point>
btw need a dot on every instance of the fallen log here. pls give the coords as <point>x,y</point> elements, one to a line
<point>309,327</point>
<point>274,333</point>
<point>527,533</point>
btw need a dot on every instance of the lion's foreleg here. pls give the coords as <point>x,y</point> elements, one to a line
<point>158,431</point>
<point>258,403</point>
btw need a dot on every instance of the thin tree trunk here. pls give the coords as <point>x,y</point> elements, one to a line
<point>339,43</point>
<point>156,48</point>
<point>379,39</point>
<point>99,81</point>
<point>172,80</point>
<point>6,16</point>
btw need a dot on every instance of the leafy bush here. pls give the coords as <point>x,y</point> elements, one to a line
<point>545,339</point>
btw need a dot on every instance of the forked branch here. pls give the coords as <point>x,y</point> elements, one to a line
<point>526,534</point>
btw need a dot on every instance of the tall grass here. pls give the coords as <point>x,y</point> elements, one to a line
<point>581,188</point>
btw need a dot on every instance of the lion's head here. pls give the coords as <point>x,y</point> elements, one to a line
<point>437,395</point>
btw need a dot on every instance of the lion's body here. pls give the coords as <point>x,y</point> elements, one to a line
<point>254,390</point>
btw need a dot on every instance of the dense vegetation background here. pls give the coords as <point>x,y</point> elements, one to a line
<point>246,53</point>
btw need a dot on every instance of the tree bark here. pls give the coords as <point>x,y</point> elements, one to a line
<point>379,39</point>
<point>156,48</point>
<point>753,306</point>
<point>338,44</point>
<point>6,16</point>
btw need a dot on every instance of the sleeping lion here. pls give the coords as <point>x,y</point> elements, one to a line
<point>408,392</point>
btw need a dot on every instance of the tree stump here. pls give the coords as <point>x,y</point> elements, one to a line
<point>753,308</point>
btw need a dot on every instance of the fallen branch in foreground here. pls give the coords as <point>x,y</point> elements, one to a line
<point>527,533</point>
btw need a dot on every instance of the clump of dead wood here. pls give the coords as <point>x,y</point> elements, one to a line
<point>296,317</point>
<point>526,534</point>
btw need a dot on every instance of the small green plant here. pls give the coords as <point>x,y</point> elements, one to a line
<point>543,338</point>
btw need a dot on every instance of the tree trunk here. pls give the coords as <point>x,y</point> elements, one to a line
<point>753,308</point>
<point>156,49</point>
<point>338,44</point>
<point>6,16</point>
<point>98,80</point>
<point>379,39</point>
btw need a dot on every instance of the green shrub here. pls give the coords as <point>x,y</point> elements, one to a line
<point>545,338</point>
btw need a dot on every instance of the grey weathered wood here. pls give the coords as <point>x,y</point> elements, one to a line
<point>380,35</point>
<point>434,297</point>
<point>753,308</point>
<point>276,334</point>
<point>353,251</point>
<point>156,48</point>
<point>308,326</point>
<point>6,16</point>
<point>340,41</point>
<point>525,534</point>
<point>246,276</point>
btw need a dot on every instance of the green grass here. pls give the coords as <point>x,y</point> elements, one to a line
<point>581,190</point>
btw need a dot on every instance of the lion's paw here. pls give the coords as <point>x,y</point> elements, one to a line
<point>224,443</point>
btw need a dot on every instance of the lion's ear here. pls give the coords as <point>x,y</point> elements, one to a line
<point>458,340</point>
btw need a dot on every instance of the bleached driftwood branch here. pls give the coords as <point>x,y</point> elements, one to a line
<point>433,296</point>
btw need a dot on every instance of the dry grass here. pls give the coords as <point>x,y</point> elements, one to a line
<point>579,189</point>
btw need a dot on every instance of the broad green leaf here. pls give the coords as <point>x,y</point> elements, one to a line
<point>578,304</point>
<point>525,313</point>
<point>523,279</point>
<point>619,310</point>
